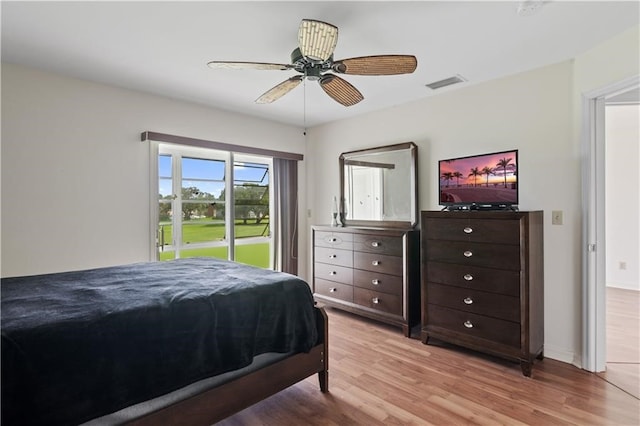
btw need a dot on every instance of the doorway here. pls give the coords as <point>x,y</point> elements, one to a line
<point>609,312</point>
<point>622,292</point>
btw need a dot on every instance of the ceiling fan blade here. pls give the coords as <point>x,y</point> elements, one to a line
<point>317,39</point>
<point>248,65</point>
<point>377,65</point>
<point>280,90</point>
<point>340,90</point>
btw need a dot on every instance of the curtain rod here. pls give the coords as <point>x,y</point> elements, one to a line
<point>202,143</point>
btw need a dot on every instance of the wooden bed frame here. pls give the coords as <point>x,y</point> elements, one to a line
<point>216,404</point>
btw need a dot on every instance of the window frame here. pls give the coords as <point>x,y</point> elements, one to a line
<point>178,152</point>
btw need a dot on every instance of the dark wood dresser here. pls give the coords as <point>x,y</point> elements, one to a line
<point>368,271</point>
<point>483,282</point>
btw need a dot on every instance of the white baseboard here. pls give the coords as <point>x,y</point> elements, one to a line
<point>562,356</point>
<point>624,285</point>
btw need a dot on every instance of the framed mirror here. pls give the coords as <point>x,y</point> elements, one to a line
<point>378,186</point>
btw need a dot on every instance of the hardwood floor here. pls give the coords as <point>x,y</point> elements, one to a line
<point>623,340</point>
<point>379,377</point>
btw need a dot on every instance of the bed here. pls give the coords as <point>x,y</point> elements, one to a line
<point>189,342</point>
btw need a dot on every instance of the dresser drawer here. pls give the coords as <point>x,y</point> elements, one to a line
<point>470,324</point>
<point>332,289</point>
<point>378,263</point>
<point>479,302</point>
<point>484,230</point>
<point>378,244</point>
<point>500,256</point>
<point>499,281</point>
<point>375,281</point>
<point>335,273</point>
<point>341,240</point>
<point>384,302</point>
<point>334,256</point>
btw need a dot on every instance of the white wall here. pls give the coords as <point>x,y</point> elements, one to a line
<point>537,112</point>
<point>75,189</point>
<point>622,124</point>
<point>607,63</point>
<point>530,112</point>
<point>612,61</point>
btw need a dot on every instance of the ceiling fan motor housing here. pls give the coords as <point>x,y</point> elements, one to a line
<point>312,69</point>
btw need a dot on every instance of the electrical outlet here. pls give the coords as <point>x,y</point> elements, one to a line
<point>556,217</point>
<point>622,265</point>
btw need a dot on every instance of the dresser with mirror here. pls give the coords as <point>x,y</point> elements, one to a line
<point>370,265</point>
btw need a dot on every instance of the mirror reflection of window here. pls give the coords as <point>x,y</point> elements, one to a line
<point>397,201</point>
<point>379,186</point>
<point>367,200</point>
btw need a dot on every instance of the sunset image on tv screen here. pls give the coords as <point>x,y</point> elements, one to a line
<point>481,179</point>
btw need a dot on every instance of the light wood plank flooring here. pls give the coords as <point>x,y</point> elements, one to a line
<point>379,377</point>
<point>623,340</point>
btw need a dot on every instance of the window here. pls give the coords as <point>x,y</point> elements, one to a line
<point>186,177</point>
<point>195,188</point>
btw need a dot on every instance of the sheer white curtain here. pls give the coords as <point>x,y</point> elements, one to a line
<point>285,188</point>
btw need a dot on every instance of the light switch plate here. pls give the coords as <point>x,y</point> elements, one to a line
<point>556,217</point>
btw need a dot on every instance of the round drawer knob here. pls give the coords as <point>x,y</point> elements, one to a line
<point>332,256</point>
<point>333,290</point>
<point>333,273</point>
<point>468,230</point>
<point>375,244</point>
<point>467,300</point>
<point>375,263</point>
<point>375,282</point>
<point>468,253</point>
<point>468,277</point>
<point>375,300</point>
<point>333,240</point>
<point>468,324</point>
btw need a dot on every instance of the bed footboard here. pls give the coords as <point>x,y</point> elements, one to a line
<point>216,404</point>
<point>322,322</point>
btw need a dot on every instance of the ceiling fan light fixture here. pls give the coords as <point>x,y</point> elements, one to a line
<point>317,39</point>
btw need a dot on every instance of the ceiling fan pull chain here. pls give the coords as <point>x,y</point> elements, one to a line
<point>304,104</point>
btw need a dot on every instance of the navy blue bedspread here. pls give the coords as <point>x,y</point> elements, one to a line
<point>78,345</point>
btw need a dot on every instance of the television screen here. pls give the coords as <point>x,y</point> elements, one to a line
<point>481,180</point>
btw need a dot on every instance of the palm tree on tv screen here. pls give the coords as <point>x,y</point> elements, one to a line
<point>503,163</point>
<point>487,171</point>
<point>475,173</point>
<point>457,175</point>
<point>447,176</point>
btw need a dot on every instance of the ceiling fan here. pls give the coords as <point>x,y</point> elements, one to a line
<point>313,59</point>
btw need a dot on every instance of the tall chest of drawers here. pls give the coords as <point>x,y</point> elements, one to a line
<point>370,272</point>
<point>482,282</point>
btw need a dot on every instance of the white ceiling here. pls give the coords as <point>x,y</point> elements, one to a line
<point>163,47</point>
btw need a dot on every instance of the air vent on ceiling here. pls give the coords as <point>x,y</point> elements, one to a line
<point>446,82</point>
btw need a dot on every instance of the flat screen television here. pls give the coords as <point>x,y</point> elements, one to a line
<point>479,181</point>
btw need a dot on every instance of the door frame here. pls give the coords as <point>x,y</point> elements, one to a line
<point>593,222</point>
